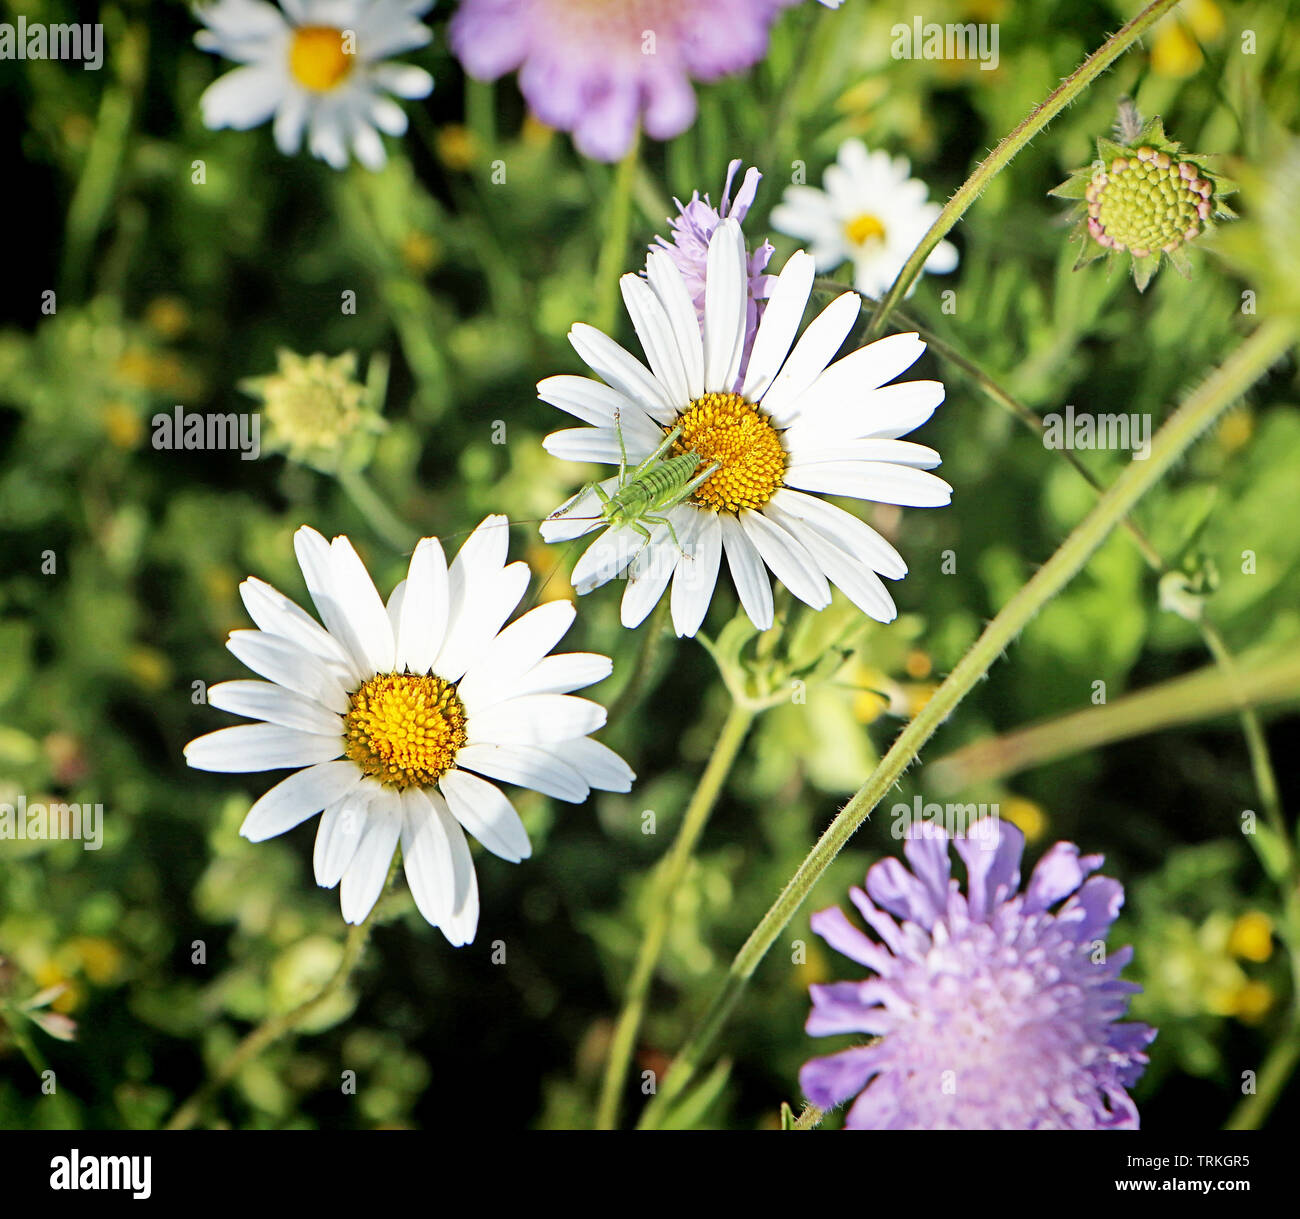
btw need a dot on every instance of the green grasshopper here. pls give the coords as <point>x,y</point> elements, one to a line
<point>648,490</point>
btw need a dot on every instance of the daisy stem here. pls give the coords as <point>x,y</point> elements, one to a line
<point>665,883</point>
<point>1224,386</point>
<point>1034,122</point>
<point>273,1029</point>
<point>400,536</point>
<point>614,248</point>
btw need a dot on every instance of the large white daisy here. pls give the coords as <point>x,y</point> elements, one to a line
<point>871,213</point>
<point>316,66</point>
<point>391,716</point>
<point>789,423</point>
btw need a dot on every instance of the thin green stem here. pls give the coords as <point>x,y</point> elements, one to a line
<point>1219,391</point>
<point>1273,1076</point>
<point>666,883</point>
<point>1034,122</point>
<point>400,536</point>
<point>273,1029</point>
<point>651,644</point>
<point>613,250</point>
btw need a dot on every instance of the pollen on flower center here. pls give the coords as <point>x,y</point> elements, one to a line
<point>405,730</point>
<point>317,58</point>
<point>864,228</point>
<point>741,439</point>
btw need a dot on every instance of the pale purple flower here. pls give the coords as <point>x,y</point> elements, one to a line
<point>692,229</point>
<point>989,1009</point>
<point>597,68</point>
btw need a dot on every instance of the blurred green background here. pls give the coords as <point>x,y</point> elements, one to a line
<point>172,292</point>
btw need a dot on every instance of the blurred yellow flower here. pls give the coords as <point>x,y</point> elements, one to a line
<point>122,424</point>
<point>419,252</point>
<point>1251,937</point>
<point>1252,1002</point>
<point>149,667</point>
<point>1025,815</point>
<point>101,959</point>
<point>457,147</point>
<point>1235,430</point>
<point>168,315</point>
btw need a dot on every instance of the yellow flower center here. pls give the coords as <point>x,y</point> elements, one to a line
<point>864,228</point>
<point>741,439</point>
<point>317,58</point>
<point>405,730</point>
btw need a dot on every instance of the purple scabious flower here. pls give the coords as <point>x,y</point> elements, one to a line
<point>692,229</point>
<point>597,68</point>
<point>990,1010</point>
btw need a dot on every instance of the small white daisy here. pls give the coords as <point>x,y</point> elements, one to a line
<point>796,423</point>
<point>871,213</point>
<point>390,714</point>
<point>317,66</point>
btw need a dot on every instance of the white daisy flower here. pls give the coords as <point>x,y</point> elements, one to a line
<point>391,715</point>
<point>316,66</point>
<point>795,423</point>
<point>871,213</point>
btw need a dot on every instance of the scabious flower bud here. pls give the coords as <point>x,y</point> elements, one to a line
<point>314,405</point>
<point>1146,198</point>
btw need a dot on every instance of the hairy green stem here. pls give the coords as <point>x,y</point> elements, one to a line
<point>665,884</point>
<point>379,516</point>
<point>273,1029</point>
<point>1034,122</point>
<point>1220,390</point>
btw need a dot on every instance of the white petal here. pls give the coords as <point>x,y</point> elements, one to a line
<point>747,571</point>
<point>525,766</point>
<point>338,834</point>
<point>478,612</point>
<point>363,606</point>
<point>650,321</point>
<point>591,401</point>
<point>577,515</point>
<point>853,577</point>
<point>427,858</point>
<point>666,279</point>
<point>881,482</point>
<point>250,747</point>
<point>535,719</point>
<point>462,925</point>
<point>781,317</point>
<point>612,551</point>
<point>564,672</point>
<point>363,881</point>
<point>514,651</point>
<point>652,568</point>
<point>317,562</point>
<point>844,530</point>
<point>900,452</point>
<point>404,80</point>
<point>811,355</point>
<point>288,665</point>
<point>243,98</point>
<point>726,302</point>
<point>261,700</point>
<point>885,414</point>
<point>697,575</point>
<point>482,808</point>
<point>303,794</point>
<point>422,624</point>
<point>788,558</point>
<point>598,764</point>
<point>603,443</point>
<point>623,371</point>
<point>276,614</point>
